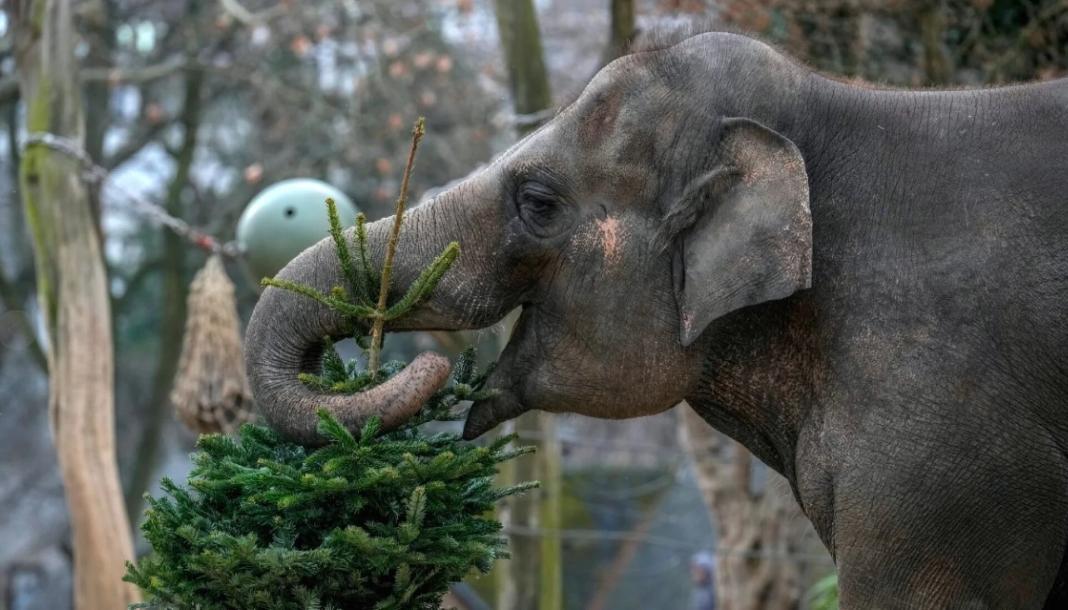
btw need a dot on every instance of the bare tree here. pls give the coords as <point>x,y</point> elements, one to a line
<point>72,292</point>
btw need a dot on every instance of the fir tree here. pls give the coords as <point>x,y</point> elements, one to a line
<point>378,520</point>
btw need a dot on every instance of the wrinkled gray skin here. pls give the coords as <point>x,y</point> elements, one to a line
<point>898,353</point>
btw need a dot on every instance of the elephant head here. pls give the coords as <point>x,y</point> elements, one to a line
<point>623,228</point>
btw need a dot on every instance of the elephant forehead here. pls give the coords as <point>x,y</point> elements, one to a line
<point>619,106</point>
<point>598,119</point>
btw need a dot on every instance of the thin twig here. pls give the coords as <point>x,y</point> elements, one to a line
<point>238,11</point>
<point>95,174</point>
<point>114,74</point>
<point>391,249</point>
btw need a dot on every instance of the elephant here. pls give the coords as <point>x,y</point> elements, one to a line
<point>864,286</point>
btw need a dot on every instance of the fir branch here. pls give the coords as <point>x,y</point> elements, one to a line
<point>352,310</point>
<point>370,430</point>
<point>332,429</point>
<point>391,247</point>
<point>333,366</point>
<point>513,490</point>
<point>367,274</point>
<point>425,284</point>
<point>344,257</point>
<point>300,289</point>
<point>387,519</point>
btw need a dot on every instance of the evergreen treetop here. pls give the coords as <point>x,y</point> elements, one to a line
<point>374,520</point>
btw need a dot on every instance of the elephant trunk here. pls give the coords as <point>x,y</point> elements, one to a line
<point>285,337</point>
<point>285,334</point>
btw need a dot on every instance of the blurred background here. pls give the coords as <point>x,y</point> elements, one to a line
<point>196,106</point>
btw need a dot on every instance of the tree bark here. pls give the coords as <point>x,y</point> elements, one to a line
<point>937,65</point>
<point>15,292</point>
<point>97,94</point>
<point>517,24</point>
<point>73,295</point>
<point>621,28</point>
<point>765,543</point>
<point>172,300</point>
<point>531,579</point>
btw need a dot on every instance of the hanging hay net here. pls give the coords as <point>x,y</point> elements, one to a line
<point>211,391</point>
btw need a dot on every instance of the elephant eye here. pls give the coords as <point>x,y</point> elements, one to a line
<point>538,207</point>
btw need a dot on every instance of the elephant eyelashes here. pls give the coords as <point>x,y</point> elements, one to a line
<point>539,207</point>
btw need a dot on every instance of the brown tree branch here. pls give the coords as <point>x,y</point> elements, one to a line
<point>9,87</point>
<point>144,74</point>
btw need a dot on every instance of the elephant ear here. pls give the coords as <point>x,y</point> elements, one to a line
<point>742,232</point>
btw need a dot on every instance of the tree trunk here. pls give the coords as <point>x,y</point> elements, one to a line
<point>98,94</point>
<point>15,292</point>
<point>936,62</point>
<point>765,542</point>
<point>73,295</point>
<point>531,579</point>
<point>621,28</point>
<point>517,24</point>
<point>172,301</point>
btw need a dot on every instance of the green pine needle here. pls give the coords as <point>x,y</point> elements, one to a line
<point>352,310</point>
<point>344,257</point>
<point>367,274</point>
<point>335,431</point>
<point>386,520</point>
<point>371,520</point>
<point>425,283</point>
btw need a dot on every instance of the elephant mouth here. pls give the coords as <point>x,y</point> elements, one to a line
<point>488,413</point>
<point>505,382</point>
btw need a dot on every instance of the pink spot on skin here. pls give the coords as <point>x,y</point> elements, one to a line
<point>611,234</point>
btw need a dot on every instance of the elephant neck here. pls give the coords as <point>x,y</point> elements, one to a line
<point>760,378</point>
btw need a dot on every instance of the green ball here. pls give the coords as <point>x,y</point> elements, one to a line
<point>285,219</point>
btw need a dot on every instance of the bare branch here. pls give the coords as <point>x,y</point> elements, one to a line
<point>9,87</point>
<point>238,11</point>
<point>134,145</point>
<point>391,247</point>
<point>145,74</point>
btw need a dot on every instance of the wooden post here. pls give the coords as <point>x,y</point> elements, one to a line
<point>73,296</point>
<point>532,579</point>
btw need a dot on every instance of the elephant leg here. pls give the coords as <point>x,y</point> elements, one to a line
<point>977,522</point>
